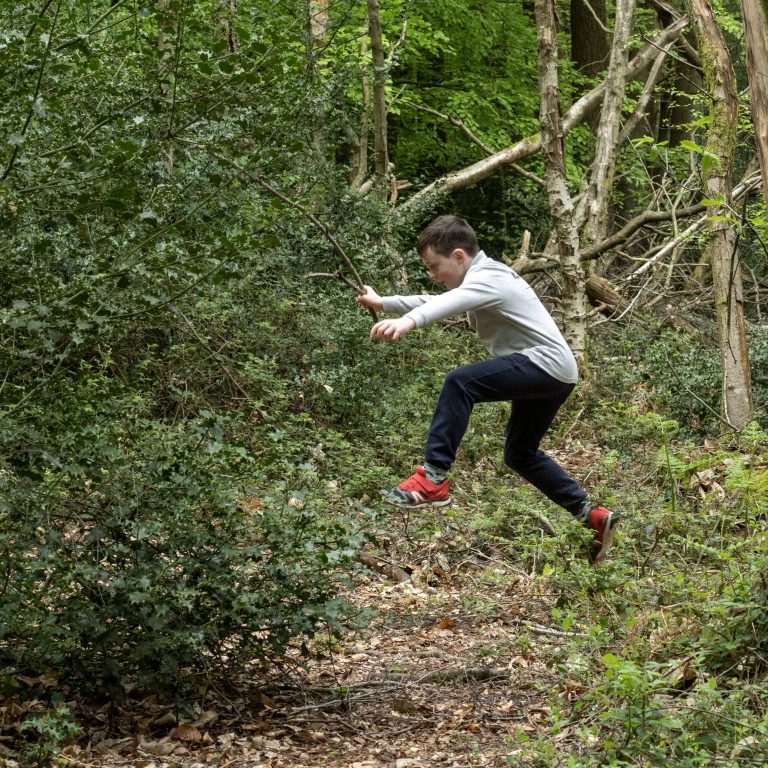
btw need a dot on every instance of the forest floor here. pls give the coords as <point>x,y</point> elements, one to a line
<point>441,676</point>
<point>457,666</point>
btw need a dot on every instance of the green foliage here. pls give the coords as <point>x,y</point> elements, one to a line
<point>157,513</point>
<point>151,559</point>
<point>670,637</point>
<point>649,717</point>
<point>479,67</point>
<point>193,434</point>
<point>45,734</point>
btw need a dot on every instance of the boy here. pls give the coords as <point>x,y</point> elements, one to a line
<point>530,364</point>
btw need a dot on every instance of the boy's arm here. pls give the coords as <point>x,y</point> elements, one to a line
<point>392,305</point>
<point>467,297</point>
<point>370,299</point>
<point>400,305</point>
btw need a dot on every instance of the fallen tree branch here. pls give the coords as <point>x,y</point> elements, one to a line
<point>638,113</point>
<point>397,681</point>
<point>482,169</point>
<point>474,139</point>
<point>538,629</point>
<point>646,217</point>
<point>383,566</point>
<point>744,188</point>
<point>463,674</point>
<point>526,264</point>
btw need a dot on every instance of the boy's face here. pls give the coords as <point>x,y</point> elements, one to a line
<point>449,270</point>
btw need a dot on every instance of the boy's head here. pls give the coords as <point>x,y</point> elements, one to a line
<point>447,247</point>
<point>445,234</point>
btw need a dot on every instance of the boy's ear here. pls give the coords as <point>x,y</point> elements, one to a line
<point>459,254</point>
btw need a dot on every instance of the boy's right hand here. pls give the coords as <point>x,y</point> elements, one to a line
<point>370,299</point>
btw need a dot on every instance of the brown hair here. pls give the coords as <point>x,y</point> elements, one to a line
<point>446,233</point>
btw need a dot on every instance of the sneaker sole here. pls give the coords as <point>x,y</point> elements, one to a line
<point>609,529</point>
<point>442,503</point>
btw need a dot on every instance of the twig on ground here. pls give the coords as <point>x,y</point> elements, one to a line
<point>546,526</point>
<point>463,674</point>
<point>538,629</point>
<point>384,566</point>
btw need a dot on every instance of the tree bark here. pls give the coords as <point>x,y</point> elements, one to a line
<point>601,177</point>
<point>168,21</point>
<point>560,202</point>
<point>360,169</point>
<point>318,21</point>
<point>589,40</point>
<point>755,14</point>
<point>167,31</point>
<point>224,16</point>
<point>381,159</point>
<point>675,108</point>
<point>722,247</point>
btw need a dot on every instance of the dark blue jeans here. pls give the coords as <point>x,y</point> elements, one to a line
<point>536,397</point>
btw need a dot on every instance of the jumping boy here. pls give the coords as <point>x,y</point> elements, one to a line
<point>531,365</point>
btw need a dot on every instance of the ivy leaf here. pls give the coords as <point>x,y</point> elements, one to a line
<point>691,146</point>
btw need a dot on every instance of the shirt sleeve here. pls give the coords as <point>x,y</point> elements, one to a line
<point>469,296</point>
<point>400,305</point>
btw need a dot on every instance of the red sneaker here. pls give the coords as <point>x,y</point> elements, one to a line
<point>418,491</point>
<point>603,522</point>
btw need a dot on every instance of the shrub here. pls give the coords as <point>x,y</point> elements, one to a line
<point>134,550</point>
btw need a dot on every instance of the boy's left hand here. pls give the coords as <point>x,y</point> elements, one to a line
<point>392,329</point>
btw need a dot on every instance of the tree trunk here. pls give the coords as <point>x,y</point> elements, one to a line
<point>360,158</point>
<point>318,21</point>
<point>316,25</point>
<point>224,16</point>
<point>560,202</point>
<point>680,108</point>
<point>722,247</point>
<point>381,160</point>
<point>601,178</point>
<point>167,31</point>
<point>589,40</point>
<point>167,38</point>
<point>755,13</point>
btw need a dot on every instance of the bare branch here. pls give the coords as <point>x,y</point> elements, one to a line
<point>453,121</point>
<point>383,566</point>
<point>264,184</point>
<point>639,111</point>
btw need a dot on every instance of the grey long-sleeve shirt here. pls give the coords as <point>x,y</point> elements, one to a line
<point>502,309</point>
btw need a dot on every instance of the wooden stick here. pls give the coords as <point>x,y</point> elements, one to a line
<point>264,184</point>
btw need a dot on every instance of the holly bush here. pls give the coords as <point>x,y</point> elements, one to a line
<point>134,550</point>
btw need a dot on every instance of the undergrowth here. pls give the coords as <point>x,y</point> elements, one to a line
<point>194,499</point>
